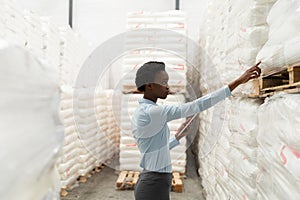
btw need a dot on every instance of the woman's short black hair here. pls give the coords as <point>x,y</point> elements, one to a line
<point>146,73</point>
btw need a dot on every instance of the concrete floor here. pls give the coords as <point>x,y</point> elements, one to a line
<point>101,186</point>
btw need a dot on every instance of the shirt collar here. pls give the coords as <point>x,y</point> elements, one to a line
<point>147,101</point>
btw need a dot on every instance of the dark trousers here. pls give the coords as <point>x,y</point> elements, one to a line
<point>153,186</point>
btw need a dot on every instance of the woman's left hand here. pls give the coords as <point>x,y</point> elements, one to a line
<point>185,132</point>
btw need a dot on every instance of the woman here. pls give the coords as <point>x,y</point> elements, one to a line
<point>150,128</point>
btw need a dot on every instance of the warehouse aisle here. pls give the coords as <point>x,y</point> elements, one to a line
<point>101,186</point>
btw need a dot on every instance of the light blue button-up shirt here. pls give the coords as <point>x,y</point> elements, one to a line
<point>152,134</point>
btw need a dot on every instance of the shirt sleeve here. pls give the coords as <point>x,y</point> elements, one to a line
<point>188,109</point>
<point>173,143</point>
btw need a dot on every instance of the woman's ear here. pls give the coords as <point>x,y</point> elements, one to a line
<point>149,86</point>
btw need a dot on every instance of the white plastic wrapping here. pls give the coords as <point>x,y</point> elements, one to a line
<point>278,148</point>
<point>31,132</point>
<point>231,45</point>
<point>228,149</point>
<point>282,47</point>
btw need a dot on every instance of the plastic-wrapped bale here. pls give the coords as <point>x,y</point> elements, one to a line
<point>211,140</point>
<point>282,47</point>
<point>278,148</point>
<point>212,122</point>
<point>229,130</point>
<point>208,175</point>
<point>32,134</point>
<point>129,154</point>
<point>232,45</point>
<point>239,144</point>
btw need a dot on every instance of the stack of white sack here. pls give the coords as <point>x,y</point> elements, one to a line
<point>92,148</point>
<point>283,45</point>
<point>34,33</point>
<point>73,52</point>
<point>51,42</point>
<point>68,163</point>
<point>31,133</point>
<point>228,149</point>
<point>208,175</point>
<point>129,154</point>
<point>232,45</point>
<point>278,148</point>
<point>238,142</point>
<point>107,109</point>
<point>28,29</point>
<point>210,132</point>
<point>156,36</point>
<point>206,160</point>
<point>12,22</point>
<point>172,20</point>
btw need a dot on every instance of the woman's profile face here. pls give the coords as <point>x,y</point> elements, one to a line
<point>160,86</point>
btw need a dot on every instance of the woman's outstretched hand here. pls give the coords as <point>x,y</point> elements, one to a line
<point>251,73</point>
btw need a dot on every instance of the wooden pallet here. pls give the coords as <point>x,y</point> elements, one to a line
<point>85,177</point>
<point>80,179</point>
<point>64,190</point>
<point>177,183</point>
<point>285,79</point>
<point>128,179</point>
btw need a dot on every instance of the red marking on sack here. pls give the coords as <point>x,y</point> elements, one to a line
<point>295,152</point>
<point>282,156</point>
<point>242,68</point>
<point>223,172</point>
<point>244,196</point>
<point>150,38</point>
<point>180,25</point>
<point>259,175</point>
<point>135,66</point>
<point>245,158</point>
<point>138,25</point>
<point>243,128</point>
<point>136,52</point>
<point>179,67</point>
<point>131,145</point>
<point>243,29</point>
<point>68,172</point>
